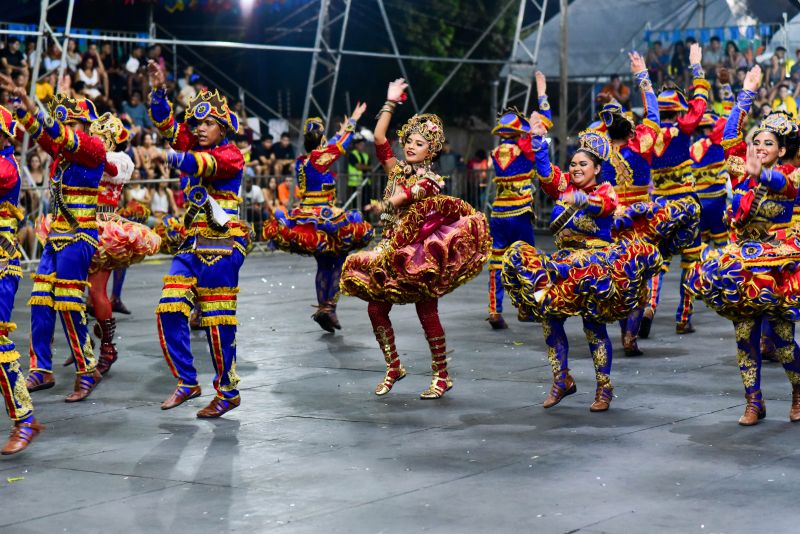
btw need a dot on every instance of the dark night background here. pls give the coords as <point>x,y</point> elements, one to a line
<point>441,28</point>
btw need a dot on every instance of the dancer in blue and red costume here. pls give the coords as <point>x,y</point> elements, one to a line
<point>757,276</point>
<point>12,382</point>
<point>673,178</point>
<point>207,263</point>
<point>79,160</point>
<point>432,244</point>
<point>512,209</point>
<point>590,275</point>
<point>318,227</point>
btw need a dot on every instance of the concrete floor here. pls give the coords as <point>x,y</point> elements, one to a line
<point>311,449</point>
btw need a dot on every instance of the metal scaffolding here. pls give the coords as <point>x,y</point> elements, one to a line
<point>518,88</point>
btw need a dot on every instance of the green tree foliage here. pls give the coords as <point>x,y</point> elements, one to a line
<point>449,28</point>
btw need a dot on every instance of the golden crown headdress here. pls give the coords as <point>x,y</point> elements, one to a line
<point>211,104</point>
<point>596,143</point>
<point>779,123</point>
<point>429,126</point>
<point>313,123</point>
<point>110,128</point>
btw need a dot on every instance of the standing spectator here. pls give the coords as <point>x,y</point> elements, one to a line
<point>137,111</point>
<point>618,91</point>
<point>264,156</point>
<point>272,203</point>
<point>13,59</point>
<point>284,156</point>
<point>90,77</point>
<point>113,72</point>
<point>478,171</point>
<point>679,63</point>
<point>285,193</point>
<point>30,51</point>
<point>357,166</point>
<point>74,57</point>
<point>449,160</point>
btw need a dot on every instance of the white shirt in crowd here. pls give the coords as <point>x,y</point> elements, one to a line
<point>132,65</point>
<point>159,203</point>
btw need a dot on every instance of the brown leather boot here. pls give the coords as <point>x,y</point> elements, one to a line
<point>563,385</point>
<point>794,411</point>
<point>181,394</point>
<point>496,321</point>
<point>324,316</point>
<point>39,380</point>
<point>84,385</point>
<point>21,436</point>
<point>755,410</point>
<point>630,346</point>
<point>602,398</point>
<point>218,407</point>
<point>108,351</point>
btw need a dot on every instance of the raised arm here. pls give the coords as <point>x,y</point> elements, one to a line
<point>323,158</point>
<point>735,125</point>
<point>700,88</point>
<point>160,111</point>
<point>541,91</point>
<point>649,99</point>
<point>395,94</point>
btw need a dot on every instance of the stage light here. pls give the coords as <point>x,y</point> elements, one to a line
<point>247,6</point>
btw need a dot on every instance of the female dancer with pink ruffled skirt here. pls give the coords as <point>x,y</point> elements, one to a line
<point>432,243</point>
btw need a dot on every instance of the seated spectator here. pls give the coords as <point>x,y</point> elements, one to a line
<point>52,60</point>
<point>264,156</point>
<point>783,101</point>
<point>30,51</point>
<point>114,79</point>
<point>254,206</point>
<point>154,53</point>
<point>679,64</point>
<point>136,110</point>
<point>733,58</point>
<point>244,147</point>
<point>136,192</point>
<point>45,87</point>
<point>777,66</point>
<point>12,58</point>
<point>148,156</point>
<point>90,77</point>
<point>162,202</point>
<point>285,192</point>
<point>284,156</point>
<point>26,235</point>
<point>272,203</point>
<point>618,91</point>
<point>74,57</point>
<point>188,92</point>
<point>186,79</point>
<point>135,69</point>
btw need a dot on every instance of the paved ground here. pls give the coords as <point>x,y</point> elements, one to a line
<point>311,449</point>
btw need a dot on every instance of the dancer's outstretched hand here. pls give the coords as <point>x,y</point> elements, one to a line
<point>753,164</point>
<point>541,83</point>
<point>637,62</point>
<point>752,80</point>
<point>155,75</point>
<point>358,111</point>
<point>397,90</point>
<point>695,54</point>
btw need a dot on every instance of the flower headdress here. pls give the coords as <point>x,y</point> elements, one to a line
<point>779,123</point>
<point>211,104</point>
<point>65,109</point>
<point>428,126</point>
<point>595,143</point>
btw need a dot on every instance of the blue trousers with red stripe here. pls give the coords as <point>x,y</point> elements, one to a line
<point>58,286</point>
<point>214,282</point>
<point>12,383</point>
<point>505,231</point>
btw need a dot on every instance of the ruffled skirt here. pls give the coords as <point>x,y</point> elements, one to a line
<point>750,279</point>
<point>672,225</point>
<point>603,284</point>
<point>324,230</point>
<point>438,244</point>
